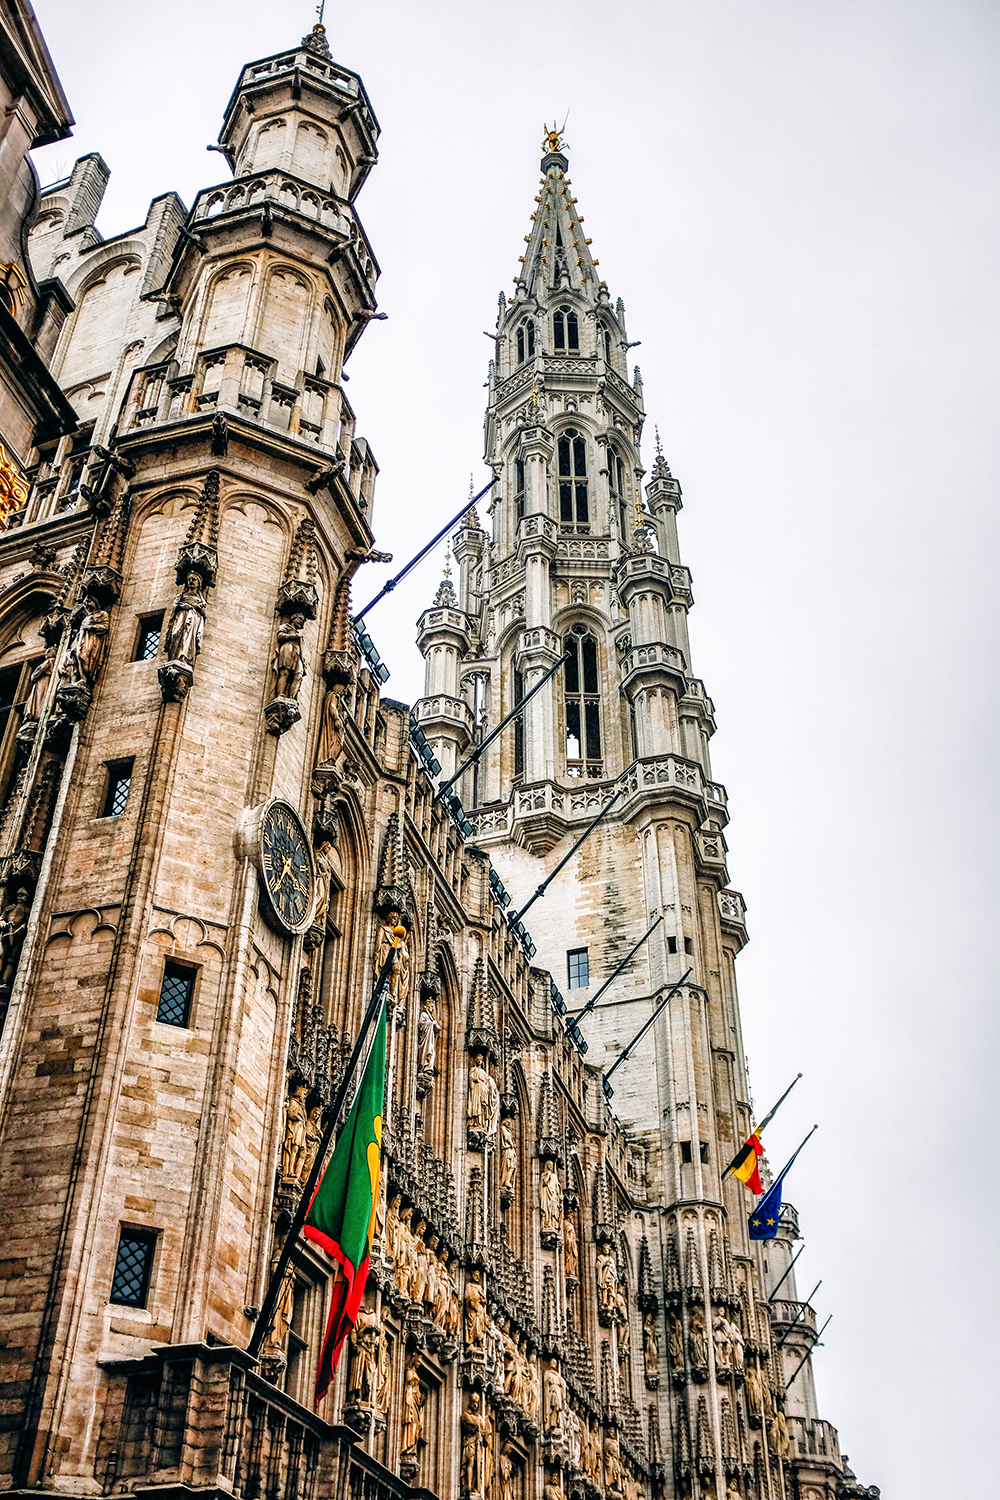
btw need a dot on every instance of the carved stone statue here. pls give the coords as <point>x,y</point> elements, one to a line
<point>41,677</point>
<point>431,1279</point>
<point>477,1108</point>
<point>777,1435</point>
<point>293,1146</point>
<point>399,983</point>
<point>427,1029</point>
<point>418,1278</point>
<point>506,1475</point>
<point>413,1408</point>
<point>533,1388</point>
<point>323,861</point>
<point>404,1252</point>
<point>755,1398</point>
<point>288,664</point>
<point>314,1134</point>
<point>555,1399</point>
<point>572,1424</point>
<point>624,1324</point>
<point>735,1345</point>
<point>13,925</point>
<point>474,1433</point>
<point>391,1238</point>
<point>607,1279</point>
<point>442,1291</point>
<point>697,1342</point>
<point>552,1489</point>
<point>476,1321</point>
<point>278,1331</point>
<point>612,1463</point>
<point>650,1347</point>
<point>331,729</point>
<point>571,1248</point>
<point>89,645</point>
<point>508,1159</point>
<point>381,1397</point>
<point>675,1343</point>
<point>550,1198</point>
<point>186,626</point>
<point>365,1337</point>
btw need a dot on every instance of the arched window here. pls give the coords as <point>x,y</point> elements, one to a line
<point>565,330</point>
<point>518,726</point>
<point>525,340</point>
<point>573,504</point>
<point>518,488</point>
<point>583,704</point>
<point>618,490</point>
<point>606,335</point>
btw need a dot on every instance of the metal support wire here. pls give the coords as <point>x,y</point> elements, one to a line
<point>812,1346</point>
<point>471,760</point>
<point>387,588</point>
<point>612,977</point>
<point>567,857</point>
<point>608,1090</point>
<point>802,1308</point>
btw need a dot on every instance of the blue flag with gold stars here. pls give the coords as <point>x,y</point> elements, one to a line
<point>763,1222</point>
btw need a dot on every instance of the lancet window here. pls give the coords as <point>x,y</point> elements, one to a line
<point>518,683</point>
<point>606,337</point>
<point>565,329</point>
<point>583,704</point>
<point>618,490</point>
<point>518,488</point>
<point>525,340</point>
<point>574,504</point>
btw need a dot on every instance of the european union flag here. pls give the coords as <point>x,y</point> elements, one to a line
<point>763,1222</point>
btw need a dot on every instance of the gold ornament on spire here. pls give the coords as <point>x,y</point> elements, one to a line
<point>552,141</point>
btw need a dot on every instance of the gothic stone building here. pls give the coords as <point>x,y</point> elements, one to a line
<point>563,1299</point>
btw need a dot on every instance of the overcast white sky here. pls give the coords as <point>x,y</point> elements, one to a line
<point>798,203</point>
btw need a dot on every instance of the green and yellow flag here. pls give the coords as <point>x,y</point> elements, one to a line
<point>341,1216</point>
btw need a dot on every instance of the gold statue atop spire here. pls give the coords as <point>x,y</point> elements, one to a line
<point>552,141</point>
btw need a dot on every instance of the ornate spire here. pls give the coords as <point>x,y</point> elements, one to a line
<point>550,1142</point>
<point>604,1228</point>
<point>298,594</point>
<point>558,255</point>
<point>199,550</point>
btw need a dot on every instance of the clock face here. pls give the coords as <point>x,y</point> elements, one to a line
<point>286,867</point>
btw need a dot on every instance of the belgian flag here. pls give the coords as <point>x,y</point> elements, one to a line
<point>744,1163</point>
<point>341,1217</point>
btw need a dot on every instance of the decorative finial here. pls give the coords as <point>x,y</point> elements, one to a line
<point>447,559</point>
<point>552,141</point>
<point>659,445</point>
<point>534,391</point>
<point>661,469</point>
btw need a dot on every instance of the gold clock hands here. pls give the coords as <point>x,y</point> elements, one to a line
<point>286,869</point>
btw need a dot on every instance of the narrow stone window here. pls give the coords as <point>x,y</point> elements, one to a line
<point>703,1151</point>
<point>565,329</point>
<point>119,781</point>
<point>671,945</point>
<point>519,488</point>
<point>606,333</point>
<point>686,1151</point>
<point>147,641</point>
<point>518,726</point>
<point>618,491</point>
<point>176,994</point>
<point>688,945</point>
<point>133,1267</point>
<point>578,968</point>
<point>525,340</point>
<point>573,499</point>
<point>583,704</point>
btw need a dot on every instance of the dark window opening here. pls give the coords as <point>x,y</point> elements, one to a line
<point>688,945</point>
<point>147,642</point>
<point>176,994</point>
<point>686,1151</point>
<point>133,1266</point>
<point>703,1150</point>
<point>607,344</point>
<point>573,501</point>
<point>671,945</point>
<point>565,329</point>
<point>581,690</point>
<point>518,726</point>
<point>519,487</point>
<point>618,490</point>
<point>320,368</point>
<point>525,340</point>
<point>578,968</point>
<point>119,781</point>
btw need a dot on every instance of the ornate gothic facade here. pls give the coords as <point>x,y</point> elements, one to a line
<point>563,1299</point>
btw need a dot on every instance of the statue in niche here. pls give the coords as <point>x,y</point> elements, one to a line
<point>13,925</point>
<point>399,982</point>
<point>550,1198</point>
<point>38,691</point>
<point>314,1134</point>
<point>431,1282</point>
<point>404,1252</point>
<point>506,1475</point>
<point>418,1277</point>
<point>572,1422</point>
<point>477,1108</point>
<point>331,729</point>
<point>413,1407</point>
<point>293,1146</point>
<point>365,1337</point>
<point>454,1306</point>
<point>88,647</point>
<point>509,1362</point>
<point>390,1239</point>
<point>733,1491</point>
<point>427,1029</point>
<point>552,1489</point>
<point>777,1435</point>
<point>475,1430</point>
<point>612,1463</point>
<point>607,1279</point>
<point>288,665</point>
<point>650,1347</point>
<point>187,622</point>
<point>533,1388</point>
<point>554,1388</point>
<point>697,1342</point>
<point>323,856</point>
<point>476,1321</point>
<point>675,1343</point>
<point>521,1387</point>
<point>508,1159</point>
<point>381,1398</point>
<point>720,1340</point>
<point>571,1247</point>
<point>624,1325</point>
<point>755,1398</point>
<point>735,1345</point>
<point>442,1291</point>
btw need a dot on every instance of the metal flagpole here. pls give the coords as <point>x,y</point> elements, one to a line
<point>787,1273</point>
<point>262,1324</point>
<point>627,959</point>
<point>766,1120</point>
<point>567,857</point>
<point>387,588</point>
<point>802,1308</point>
<point>471,760</point>
<point>787,1166</point>
<point>608,1090</point>
<point>812,1346</point>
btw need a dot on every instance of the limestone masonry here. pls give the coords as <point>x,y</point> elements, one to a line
<point>563,1300</point>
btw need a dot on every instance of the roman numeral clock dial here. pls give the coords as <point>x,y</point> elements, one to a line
<point>286,868</point>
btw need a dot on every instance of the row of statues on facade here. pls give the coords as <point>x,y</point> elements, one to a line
<point>422,1272</point>
<point>368,1377</point>
<point>303,1133</point>
<point>482,1111</point>
<point>726,1336</point>
<point>521,1379</point>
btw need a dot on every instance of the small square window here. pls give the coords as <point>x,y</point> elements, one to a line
<point>671,945</point>
<point>133,1264</point>
<point>176,994</point>
<point>578,964</point>
<point>147,641</point>
<point>688,945</point>
<point>119,781</point>
<point>686,1151</point>
<point>703,1151</point>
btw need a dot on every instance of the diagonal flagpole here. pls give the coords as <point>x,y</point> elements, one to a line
<point>766,1121</point>
<point>387,588</point>
<point>262,1324</point>
<point>787,1167</point>
<point>812,1346</point>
